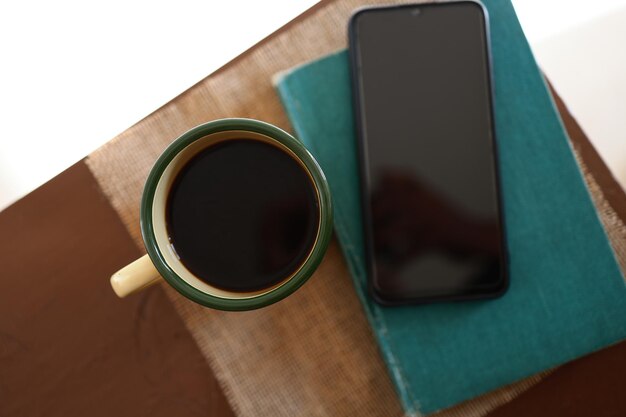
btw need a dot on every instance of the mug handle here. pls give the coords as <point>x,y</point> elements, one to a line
<point>134,277</point>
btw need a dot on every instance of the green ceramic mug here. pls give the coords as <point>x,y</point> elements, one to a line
<point>162,262</point>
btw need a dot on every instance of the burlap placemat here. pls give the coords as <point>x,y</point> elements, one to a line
<point>313,353</point>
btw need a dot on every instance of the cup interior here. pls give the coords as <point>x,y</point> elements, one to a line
<point>160,201</point>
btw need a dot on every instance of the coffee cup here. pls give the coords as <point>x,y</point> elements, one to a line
<point>235,215</point>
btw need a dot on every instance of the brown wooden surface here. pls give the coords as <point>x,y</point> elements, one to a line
<point>69,347</point>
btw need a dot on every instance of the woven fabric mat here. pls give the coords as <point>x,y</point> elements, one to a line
<point>312,354</point>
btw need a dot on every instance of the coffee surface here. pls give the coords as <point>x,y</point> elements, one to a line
<point>242,215</point>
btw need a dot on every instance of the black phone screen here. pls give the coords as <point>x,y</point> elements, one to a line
<point>424,114</point>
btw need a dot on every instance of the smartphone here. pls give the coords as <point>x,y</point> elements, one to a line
<point>429,174</point>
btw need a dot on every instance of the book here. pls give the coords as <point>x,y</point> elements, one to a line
<point>567,296</point>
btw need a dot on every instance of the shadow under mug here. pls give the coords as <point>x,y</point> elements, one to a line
<point>161,259</point>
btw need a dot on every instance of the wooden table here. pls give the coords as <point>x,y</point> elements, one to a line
<point>68,346</point>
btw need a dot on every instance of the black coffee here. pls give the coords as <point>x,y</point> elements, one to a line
<point>242,215</point>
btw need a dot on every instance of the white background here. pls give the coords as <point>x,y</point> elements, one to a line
<point>74,74</point>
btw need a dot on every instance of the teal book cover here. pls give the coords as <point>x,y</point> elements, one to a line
<point>567,296</point>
